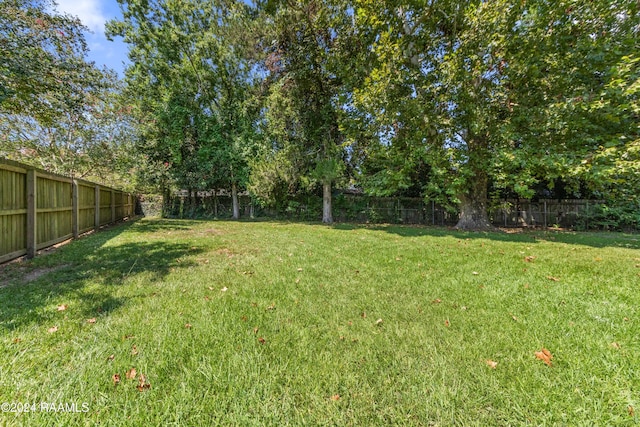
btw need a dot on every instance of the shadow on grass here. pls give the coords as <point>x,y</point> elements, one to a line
<point>151,225</point>
<point>85,272</point>
<point>593,239</point>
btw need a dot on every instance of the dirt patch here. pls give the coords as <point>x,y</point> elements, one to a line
<point>24,275</point>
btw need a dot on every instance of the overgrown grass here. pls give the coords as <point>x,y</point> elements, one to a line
<point>272,323</point>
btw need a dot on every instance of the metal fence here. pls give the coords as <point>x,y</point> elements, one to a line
<point>39,209</point>
<point>566,213</point>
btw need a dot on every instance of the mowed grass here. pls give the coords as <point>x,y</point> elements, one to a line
<point>268,323</point>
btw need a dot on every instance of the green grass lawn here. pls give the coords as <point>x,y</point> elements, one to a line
<point>271,323</point>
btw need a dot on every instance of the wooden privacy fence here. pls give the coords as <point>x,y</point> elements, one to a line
<point>39,209</point>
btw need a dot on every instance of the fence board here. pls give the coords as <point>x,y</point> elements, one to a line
<point>37,208</point>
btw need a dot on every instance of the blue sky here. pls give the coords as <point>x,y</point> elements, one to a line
<point>94,14</point>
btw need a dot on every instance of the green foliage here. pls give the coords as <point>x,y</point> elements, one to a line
<point>621,217</point>
<point>191,82</point>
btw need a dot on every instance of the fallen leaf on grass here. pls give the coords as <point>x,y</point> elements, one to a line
<point>299,269</point>
<point>210,288</point>
<point>131,373</point>
<point>262,340</point>
<point>187,325</point>
<point>52,329</point>
<point>491,363</point>
<point>225,289</point>
<point>615,345</point>
<point>134,350</point>
<point>142,383</point>
<point>206,298</point>
<point>475,273</point>
<point>62,307</point>
<point>378,322</point>
<point>335,397</point>
<point>111,357</point>
<point>555,279</point>
<point>631,411</point>
<point>271,307</point>
<point>544,355</point>
<point>255,330</point>
<point>92,320</point>
<point>116,379</point>
<point>447,323</point>
<point>16,340</point>
<point>436,301</point>
<point>363,315</point>
<point>529,258</point>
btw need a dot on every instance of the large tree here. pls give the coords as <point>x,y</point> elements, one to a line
<point>507,92</point>
<point>58,111</point>
<point>191,75</point>
<point>308,44</point>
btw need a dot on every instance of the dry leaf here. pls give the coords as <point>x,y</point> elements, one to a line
<point>206,298</point>
<point>225,289</point>
<point>378,322</point>
<point>262,340</point>
<point>363,315</point>
<point>187,325</point>
<point>244,318</point>
<point>436,301</point>
<point>555,279</point>
<point>62,307</point>
<point>116,379</point>
<point>134,350</point>
<point>52,329</point>
<point>514,317</point>
<point>210,288</point>
<point>131,373</point>
<point>92,320</point>
<point>529,258</point>
<point>142,383</point>
<point>475,273</point>
<point>299,269</point>
<point>447,323</point>
<point>297,280</point>
<point>271,307</point>
<point>111,357</point>
<point>491,363</point>
<point>255,330</point>
<point>544,355</point>
<point>335,397</point>
<point>615,345</point>
<point>16,340</point>
<point>631,411</point>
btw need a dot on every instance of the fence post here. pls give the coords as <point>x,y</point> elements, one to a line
<point>545,214</point>
<point>113,205</point>
<point>96,220</point>
<point>31,213</point>
<point>74,208</point>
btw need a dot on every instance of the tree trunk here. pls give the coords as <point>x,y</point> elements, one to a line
<point>473,206</point>
<point>234,200</point>
<point>327,217</point>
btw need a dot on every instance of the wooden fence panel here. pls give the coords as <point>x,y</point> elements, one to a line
<point>13,213</point>
<point>54,209</point>
<point>39,209</point>
<point>105,206</point>
<point>86,207</point>
<point>119,202</point>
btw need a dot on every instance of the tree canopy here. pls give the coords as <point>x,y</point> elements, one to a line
<point>459,102</point>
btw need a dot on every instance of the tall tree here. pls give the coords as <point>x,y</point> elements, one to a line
<point>58,111</point>
<point>507,92</point>
<point>306,64</point>
<point>192,78</point>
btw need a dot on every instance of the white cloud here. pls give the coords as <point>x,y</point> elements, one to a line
<point>89,12</point>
